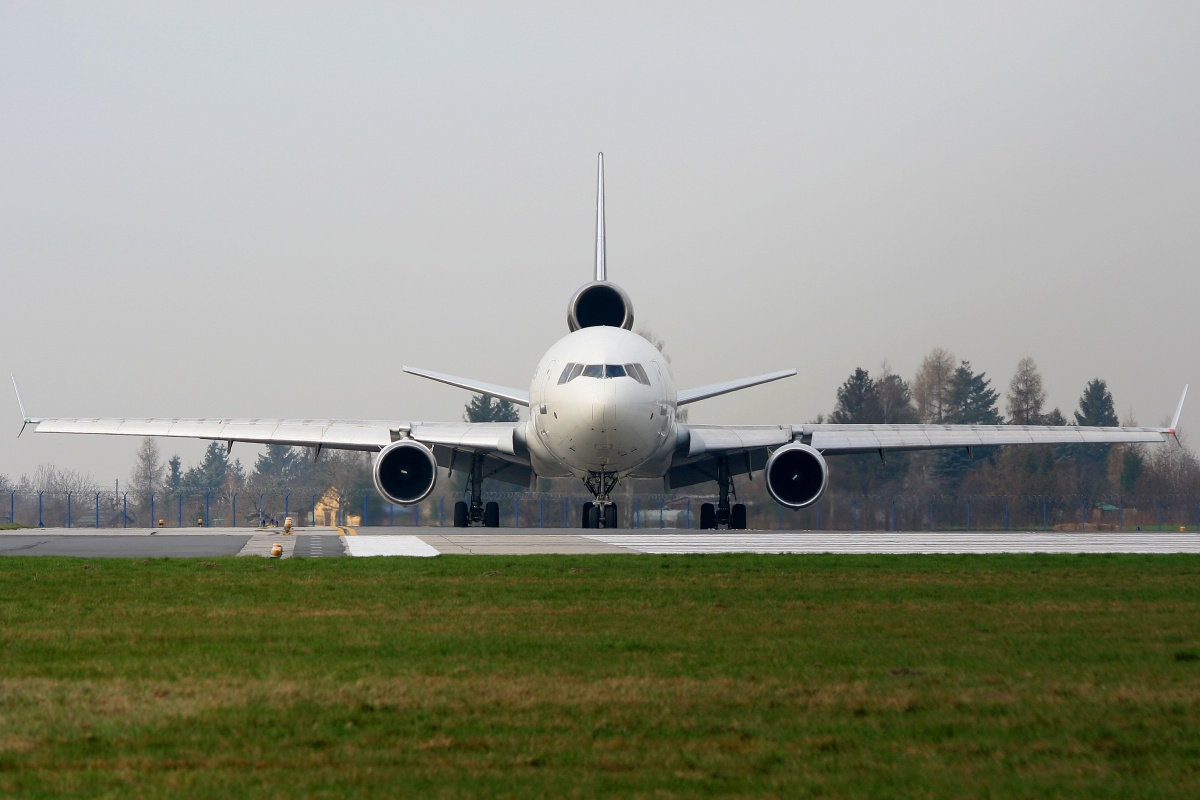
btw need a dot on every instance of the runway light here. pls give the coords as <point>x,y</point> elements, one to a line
<point>287,524</point>
<point>276,550</point>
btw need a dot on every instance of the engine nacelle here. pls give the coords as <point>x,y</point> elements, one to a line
<point>600,303</point>
<point>405,472</point>
<point>796,475</point>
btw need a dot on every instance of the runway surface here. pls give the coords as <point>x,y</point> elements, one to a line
<point>418,542</point>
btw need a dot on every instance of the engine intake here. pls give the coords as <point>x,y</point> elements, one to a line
<point>796,475</point>
<point>405,472</point>
<point>600,303</point>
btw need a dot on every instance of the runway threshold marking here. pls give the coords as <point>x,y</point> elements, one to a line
<point>389,545</point>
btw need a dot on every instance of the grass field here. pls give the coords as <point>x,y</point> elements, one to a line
<point>582,676</point>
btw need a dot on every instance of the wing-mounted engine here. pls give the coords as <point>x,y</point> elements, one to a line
<point>405,472</point>
<point>600,303</point>
<point>796,475</point>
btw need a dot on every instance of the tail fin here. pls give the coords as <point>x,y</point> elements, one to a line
<point>601,268</point>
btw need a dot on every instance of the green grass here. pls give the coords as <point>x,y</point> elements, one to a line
<point>13,526</point>
<point>579,676</point>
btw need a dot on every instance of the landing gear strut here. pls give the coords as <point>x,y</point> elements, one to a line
<point>477,511</point>
<point>731,516</point>
<point>603,512</point>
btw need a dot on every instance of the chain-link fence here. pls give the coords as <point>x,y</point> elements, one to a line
<point>218,508</point>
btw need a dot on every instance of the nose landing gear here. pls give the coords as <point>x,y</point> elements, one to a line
<point>603,512</point>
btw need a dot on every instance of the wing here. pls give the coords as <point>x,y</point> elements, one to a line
<point>746,447</point>
<point>453,443</point>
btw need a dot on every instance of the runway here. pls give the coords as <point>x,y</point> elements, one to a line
<point>427,542</point>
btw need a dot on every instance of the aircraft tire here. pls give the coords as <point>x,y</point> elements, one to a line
<point>737,517</point>
<point>610,515</point>
<point>593,516</point>
<point>708,517</point>
<point>460,515</point>
<point>491,515</point>
<point>586,519</point>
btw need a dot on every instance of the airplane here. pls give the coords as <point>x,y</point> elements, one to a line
<point>603,408</point>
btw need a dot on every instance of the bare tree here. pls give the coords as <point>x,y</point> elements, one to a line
<point>148,470</point>
<point>1025,394</point>
<point>931,386</point>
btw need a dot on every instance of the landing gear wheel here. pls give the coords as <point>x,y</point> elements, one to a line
<point>593,516</point>
<point>586,519</point>
<point>737,517</point>
<point>491,515</point>
<point>708,517</point>
<point>460,515</point>
<point>610,515</point>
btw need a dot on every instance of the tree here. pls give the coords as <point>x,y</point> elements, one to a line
<point>213,471</point>
<point>485,408</point>
<point>862,400</point>
<point>970,401</point>
<point>1025,394</point>
<point>174,474</point>
<point>147,474</point>
<point>280,466</point>
<point>857,400</point>
<point>931,386</point>
<point>1091,461</point>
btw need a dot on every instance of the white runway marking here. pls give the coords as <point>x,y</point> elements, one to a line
<point>1144,542</point>
<point>388,546</point>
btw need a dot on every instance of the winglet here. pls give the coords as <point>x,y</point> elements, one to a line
<point>1178,411</point>
<point>25,418</point>
<point>601,267</point>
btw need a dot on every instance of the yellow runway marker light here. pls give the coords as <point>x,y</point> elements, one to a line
<point>276,550</point>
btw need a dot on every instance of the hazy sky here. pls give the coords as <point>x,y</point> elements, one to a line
<point>253,209</point>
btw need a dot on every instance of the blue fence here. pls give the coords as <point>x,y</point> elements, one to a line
<point>112,510</point>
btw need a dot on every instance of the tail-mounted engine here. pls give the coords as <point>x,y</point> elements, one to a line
<point>405,472</point>
<point>600,303</point>
<point>796,475</point>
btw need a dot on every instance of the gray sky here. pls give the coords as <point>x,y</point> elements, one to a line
<point>265,209</point>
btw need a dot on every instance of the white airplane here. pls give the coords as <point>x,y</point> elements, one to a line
<point>602,407</point>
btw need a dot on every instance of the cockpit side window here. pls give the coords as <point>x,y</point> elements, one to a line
<point>566,373</point>
<point>636,372</point>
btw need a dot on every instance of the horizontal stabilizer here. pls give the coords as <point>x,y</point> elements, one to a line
<point>714,389</point>
<point>503,392</point>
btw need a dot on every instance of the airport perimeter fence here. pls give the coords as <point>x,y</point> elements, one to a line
<point>215,509</point>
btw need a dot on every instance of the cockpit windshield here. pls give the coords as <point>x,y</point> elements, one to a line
<point>572,371</point>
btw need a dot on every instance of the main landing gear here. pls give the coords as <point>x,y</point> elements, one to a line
<point>477,512</point>
<point>733,516</point>
<point>603,512</point>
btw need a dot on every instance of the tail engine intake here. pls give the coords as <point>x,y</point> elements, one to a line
<point>796,475</point>
<point>600,303</point>
<point>405,472</point>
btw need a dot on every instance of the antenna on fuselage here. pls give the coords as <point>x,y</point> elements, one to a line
<point>601,270</point>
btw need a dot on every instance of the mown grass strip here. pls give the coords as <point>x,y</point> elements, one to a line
<point>540,676</point>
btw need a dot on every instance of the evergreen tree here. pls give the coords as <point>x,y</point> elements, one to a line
<point>280,466</point>
<point>971,401</point>
<point>213,470</point>
<point>174,474</point>
<point>862,400</point>
<point>485,408</point>
<point>1091,461</point>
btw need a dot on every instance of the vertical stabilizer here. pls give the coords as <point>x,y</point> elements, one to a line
<point>601,269</point>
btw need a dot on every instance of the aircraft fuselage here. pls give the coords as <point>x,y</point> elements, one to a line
<point>602,400</point>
